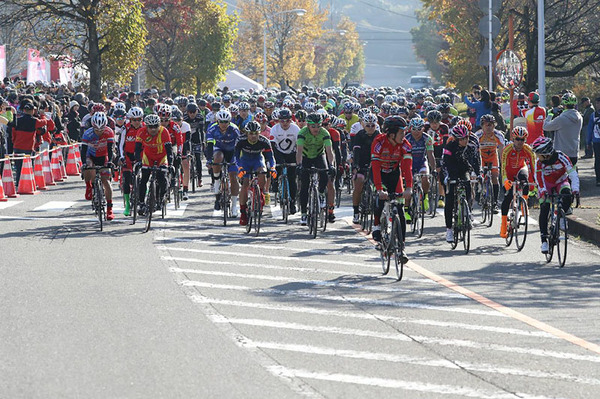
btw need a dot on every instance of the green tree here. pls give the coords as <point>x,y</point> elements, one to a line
<point>91,32</point>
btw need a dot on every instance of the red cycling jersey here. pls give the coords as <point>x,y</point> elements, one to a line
<point>385,157</point>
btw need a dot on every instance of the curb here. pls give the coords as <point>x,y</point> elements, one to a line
<point>586,229</point>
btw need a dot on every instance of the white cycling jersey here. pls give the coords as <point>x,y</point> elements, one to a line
<point>285,140</point>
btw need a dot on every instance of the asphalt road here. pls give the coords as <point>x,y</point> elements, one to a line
<point>195,309</point>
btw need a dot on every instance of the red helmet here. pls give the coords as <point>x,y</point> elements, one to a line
<point>261,118</point>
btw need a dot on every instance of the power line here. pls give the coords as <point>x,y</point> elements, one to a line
<point>387,10</point>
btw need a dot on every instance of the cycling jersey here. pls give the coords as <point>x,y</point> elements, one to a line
<point>177,136</point>
<point>439,136</point>
<point>361,147</point>
<point>455,163</point>
<point>513,161</point>
<point>97,146</point>
<point>154,148</point>
<point>349,121</point>
<point>489,145</point>
<point>313,146</point>
<point>127,139</point>
<point>419,150</point>
<point>556,172</point>
<point>249,156</point>
<point>284,141</point>
<point>222,141</point>
<point>386,157</point>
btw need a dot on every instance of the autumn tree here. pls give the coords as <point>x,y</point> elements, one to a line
<point>106,36</point>
<point>291,39</point>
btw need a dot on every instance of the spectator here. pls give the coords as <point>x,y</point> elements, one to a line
<point>566,128</point>
<point>481,107</point>
<point>73,121</point>
<point>593,139</point>
<point>535,117</point>
<point>587,111</point>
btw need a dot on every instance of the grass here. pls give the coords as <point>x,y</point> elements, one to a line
<point>461,108</point>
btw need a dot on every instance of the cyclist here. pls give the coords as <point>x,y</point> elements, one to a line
<point>127,152</point>
<point>438,130</point>
<point>283,139</point>
<point>153,147</point>
<point>349,116</point>
<point>553,172</point>
<point>535,117</point>
<point>313,146</point>
<point>491,144</point>
<point>194,141</point>
<point>185,130</point>
<point>422,154</point>
<point>97,147</point>
<point>301,118</point>
<point>220,141</point>
<point>517,162</point>
<point>361,145</point>
<point>391,166</point>
<point>249,150</point>
<point>456,166</point>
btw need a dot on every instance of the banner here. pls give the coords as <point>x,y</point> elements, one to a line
<point>36,67</point>
<point>65,71</point>
<point>2,62</point>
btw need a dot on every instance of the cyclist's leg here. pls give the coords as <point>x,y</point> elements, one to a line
<point>307,163</point>
<point>143,185</point>
<point>233,181</point>
<point>448,209</point>
<point>495,183</point>
<point>291,158</point>
<point>161,178</point>
<point>543,220</point>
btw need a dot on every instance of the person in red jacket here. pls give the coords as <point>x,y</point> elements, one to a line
<point>27,131</point>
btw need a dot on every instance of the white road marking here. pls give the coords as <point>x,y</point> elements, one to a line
<point>54,206</point>
<point>177,213</point>
<point>346,299</point>
<point>398,384</point>
<point>8,204</point>
<point>337,284</point>
<point>369,316</point>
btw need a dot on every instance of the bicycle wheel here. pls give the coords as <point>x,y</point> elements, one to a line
<point>284,188</point>
<point>562,228</point>
<point>98,196</point>
<point>489,202</point>
<point>419,221</point>
<point>338,194</point>
<point>163,208</point>
<point>434,196</point>
<point>150,204</point>
<point>249,210</point>
<point>510,225</point>
<point>521,224</point>
<point>371,213</point>
<point>364,206</point>
<point>466,226</point>
<point>397,244</point>
<point>177,191</point>
<point>193,177</point>
<point>256,210</point>
<point>413,210</point>
<point>456,221</point>
<point>384,245</point>
<point>551,236</point>
<point>225,202</point>
<point>314,212</point>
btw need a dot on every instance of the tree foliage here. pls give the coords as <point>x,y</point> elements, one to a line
<point>571,46</point>
<point>89,31</point>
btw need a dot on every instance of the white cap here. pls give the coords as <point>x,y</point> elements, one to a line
<point>73,103</point>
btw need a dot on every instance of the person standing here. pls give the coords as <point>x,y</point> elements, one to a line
<point>593,139</point>
<point>534,116</point>
<point>566,128</point>
<point>587,109</point>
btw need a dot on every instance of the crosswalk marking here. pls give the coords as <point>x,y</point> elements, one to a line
<point>55,206</point>
<point>8,204</point>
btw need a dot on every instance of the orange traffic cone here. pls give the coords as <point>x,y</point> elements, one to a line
<point>56,175</point>
<point>78,156</point>
<point>72,167</point>
<point>27,181</point>
<point>2,196</point>
<point>7,181</point>
<point>46,170</point>
<point>61,160</point>
<point>38,173</point>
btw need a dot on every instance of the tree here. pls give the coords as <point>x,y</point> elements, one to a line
<point>428,43</point>
<point>290,39</point>
<point>89,31</point>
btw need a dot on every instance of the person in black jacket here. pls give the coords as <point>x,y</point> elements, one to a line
<point>73,121</point>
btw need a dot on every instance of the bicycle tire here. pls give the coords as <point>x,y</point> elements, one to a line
<point>398,247</point>
<point>285,204</point>
<point>257,211</point>
<point>385,243</point>
<point>455,228</point>
<point>490,202</point>
<point>163,208</point>
<point>562,238</point>
<point>249,203</point>
<point>521,224</point>
<point>151,203</point>
<point>364,207</point>
<point>98,194</point>
<point>412,211</point>
<point>466,226</point>
<point>509,228</point>
<point>551,236</point>
<point>314,212</point>
<point>434,196</point>
<point>420,219</point>
<point>193,177</point>
<point>134,198</point>
<point>371,213</point>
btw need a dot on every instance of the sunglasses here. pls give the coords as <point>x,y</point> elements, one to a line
<point>223,122</point>
<point>314,125</point>
<point>136,119</point>
<point>164,119</point>
<point>285,120</point>
<point>518,139</point>
<point>370,125</point>
<point>152,126</point>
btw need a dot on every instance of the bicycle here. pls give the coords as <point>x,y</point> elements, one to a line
<point>486,197</point>
<point>517,217</point>
<point>392,239</point>
<point>317,203</point>
<point>135,176</point>
<point>152,194</point>
<point>338,185</point>
<point>254,204</point>
<point>283,190</point>
<point>417,205</point>
<point>175,187</point>
<point>558,230</point>
<point>461,223</point>
<point>194,173</point>
<point>348,180</point>
<point>434,194</point>
<point>366,204</point>
<point>98,199</point>
<point>225,191</point>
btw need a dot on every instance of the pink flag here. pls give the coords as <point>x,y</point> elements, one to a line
<point>2,62</point>
<point>36,67</point>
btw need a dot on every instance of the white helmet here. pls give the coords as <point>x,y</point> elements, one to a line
<point>135,112</point>
<point>369,119</point>
<point>99,120</point>
<point>120,106</point>
<point>223,115</point>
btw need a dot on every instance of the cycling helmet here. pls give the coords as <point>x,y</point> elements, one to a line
<point>269,104</point>
<point>460,131</point>
<point>182,101</point>
<point>339,123</point>
<point>543,146</point>
<point>164,111</point>
<point>534,97</point>
<point>119,113</point>
<point>388,99</point>
<point>275,114</point>
<point>191,107</point>
<point>284,113</point>
<point>361,114</point>
<point>210,98</point>
<point>287,103</point>
<point>152,120</point>
<point>385,108</point>
<point>234,109</point>
<point>417,123</point>
<point>465,123</point>
<point>157,107</point>
<point>401,101</point>
<point>434,116</point>
<point>488,118</point>
<point>356,107</point>
<point>370,119</point>
<point>177,115</point>
<point>569,99</point>
<point>454,121</point>
<point>136,112</point>
<point>394,110</point>
<point>301,115</point>
<point>201,102</point>
<point>392,124</point>
<point>98,107</point>
<point>402,111</point>
<point>120,106</point>
<point>374,109</point>
<point>348,107</point>
<point>252,126</point>
<point>314,119</point>
<point>215,106</point>
<point>444,108</point>
<point>226,97</point>
<point>244,106</point>
<point>519,132</point>
<point>261,118</point>
<point>309,107</point>
<point>99,120</point>
<point>410,105</point>
<point>223,116</point>
<point>323,97</point>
